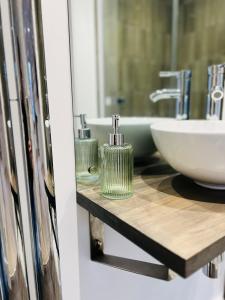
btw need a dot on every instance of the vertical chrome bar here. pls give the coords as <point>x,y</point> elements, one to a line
<point>19,149</point>
<point>25,196</point>
<point>34,102</point>
<point>13,270</point>
<point>33,110</point>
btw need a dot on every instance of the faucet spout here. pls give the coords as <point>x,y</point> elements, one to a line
<point>181,93</point>
<point>164,94</point>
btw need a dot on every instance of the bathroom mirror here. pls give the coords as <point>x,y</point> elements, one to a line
<point>137,39</point>
<point>119,48</point>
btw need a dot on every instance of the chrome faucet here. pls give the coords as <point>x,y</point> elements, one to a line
<point>215,96</point>
<point>181,93</point>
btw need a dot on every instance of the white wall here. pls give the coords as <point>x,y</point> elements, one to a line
<point>100,282</point>
<point>83,43</point>
<point>57,52</point>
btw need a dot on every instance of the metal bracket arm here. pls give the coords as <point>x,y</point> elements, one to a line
<point>134,266</point>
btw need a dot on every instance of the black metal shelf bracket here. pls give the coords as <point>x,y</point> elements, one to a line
<point>152,270</point>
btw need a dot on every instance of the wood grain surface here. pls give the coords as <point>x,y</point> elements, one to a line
<point>170,217</point>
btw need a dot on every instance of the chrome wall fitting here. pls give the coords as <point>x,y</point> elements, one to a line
<point>134,266</point>
<point>212,269</point>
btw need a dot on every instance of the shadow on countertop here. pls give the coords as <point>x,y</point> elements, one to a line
<point>188,189</point>
<point>177,184</point>
<point>158,170</point>
<point>146,161</point>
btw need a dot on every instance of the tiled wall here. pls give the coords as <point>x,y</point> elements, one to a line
<point>137,46</point>
<point>201,43</point>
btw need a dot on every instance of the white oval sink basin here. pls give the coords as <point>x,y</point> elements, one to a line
<point>195,149</point>
<point>136,130</point>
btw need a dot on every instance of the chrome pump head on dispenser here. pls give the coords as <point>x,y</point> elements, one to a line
<point>116,138</point>
<point>84,132</point>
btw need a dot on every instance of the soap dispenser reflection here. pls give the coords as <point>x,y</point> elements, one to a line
<point>116,165</point>
<point>86,154</point>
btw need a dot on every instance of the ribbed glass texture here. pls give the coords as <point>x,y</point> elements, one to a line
<point>86,160</point>
<point>116,171</point>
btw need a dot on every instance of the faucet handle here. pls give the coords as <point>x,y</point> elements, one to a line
<point>216,69</point>
<point>164,74</point>
<point>183,73</point>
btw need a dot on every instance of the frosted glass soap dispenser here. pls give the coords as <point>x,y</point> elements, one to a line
<point>86,154</point>
<point>116,165</point>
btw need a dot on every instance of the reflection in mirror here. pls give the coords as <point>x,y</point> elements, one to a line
<point>148,61</point>
<point>141,38</point>
<point>145,59</point>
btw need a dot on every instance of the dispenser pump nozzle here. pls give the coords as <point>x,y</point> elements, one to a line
<point>84,132</point>
<point>116,138</point>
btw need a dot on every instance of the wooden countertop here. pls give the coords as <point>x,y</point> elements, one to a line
<point>179,223</point>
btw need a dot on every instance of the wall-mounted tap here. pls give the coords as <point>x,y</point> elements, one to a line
<point>181,93</point>
<point>215,96</point>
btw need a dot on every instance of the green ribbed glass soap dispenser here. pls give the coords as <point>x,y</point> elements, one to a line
<point>86,154</point>
<point>116,165</point>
